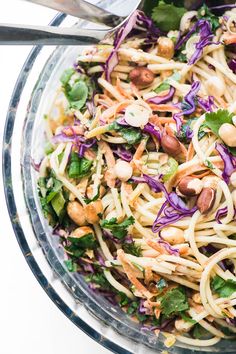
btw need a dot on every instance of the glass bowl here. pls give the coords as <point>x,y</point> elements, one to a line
<point>23,141</point>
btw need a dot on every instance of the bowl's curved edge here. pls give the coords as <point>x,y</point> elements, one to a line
<point>12,210</point>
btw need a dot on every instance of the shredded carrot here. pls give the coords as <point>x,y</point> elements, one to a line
<point>156,246</point>
<point>163,107</point>
<point>148,275</point>
<point>229,38</point>
<point>110,159</point>
<point>128,268</point>
<point>122,91</point>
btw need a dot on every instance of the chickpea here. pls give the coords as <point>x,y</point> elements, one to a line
<point>141,76</point>
<point>76,213</point>
<point>165,47</point>
<point>81,231</point>
<point>227,133</point>
<point>92,210</point>
<point>182,326</point>
<point>173,235</point>
<point>123,170</point>
<point>215,86</point>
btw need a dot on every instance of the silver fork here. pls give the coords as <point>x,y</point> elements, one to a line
<point>46,35</point>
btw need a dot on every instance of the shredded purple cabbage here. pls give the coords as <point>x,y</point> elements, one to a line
<point>221,213</point>
<point>35,165</point>
<point>222,7</point>
<point>189,133</point>
<point>229,161</point>
<point>168,247</point>
<point>150,129</point>
<point>123,153</point>
<point>162,99</point>
<point>86,145</point>
<point>152,32</point>
<point>188,105</point>
<point>206,104</point>
<point>206,37</point>
<point>173,208</point>
<point>142,309</point>
<point>120,36</point>
<point>232,65</point>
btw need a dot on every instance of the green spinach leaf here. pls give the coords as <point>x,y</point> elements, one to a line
<point>78,167</point>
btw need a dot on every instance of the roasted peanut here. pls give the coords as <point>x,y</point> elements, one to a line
<point>171,145</point>
<point>123,170</point>
<point>190,186</point>
<point>165,47</point>
<point>197,298</point>
<point>81,231</point>
<point>92,211</point>
<point>141,76</point>
<point>173,235</point>
<point>76,213</point>
<point>227,133</point>
<point>206,200</point>
<point>210,182</point>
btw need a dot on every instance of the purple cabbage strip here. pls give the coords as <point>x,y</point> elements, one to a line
<point>188,106</point>
<point>206,37</point>
<point>171,250</point>
<point>232,65</point>
<point>221,213</point>
<point>124,154</point>
<point>122,121</point>
<point>150,128</point>
<point>177,209</point>
<point>163,99</point>
<point>86,145</point>
<point>35,165</point>
<point>120,36</point>
<point>206,104</point>
<point>229,161</point>
<point>142,309</point>
<point>161,327</point>
<point>189,133</point>
<point>152,32</point>
<point>62,138</point>
<point>222,7</point>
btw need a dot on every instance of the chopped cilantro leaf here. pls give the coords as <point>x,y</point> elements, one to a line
<point>133,249</point>
<point>214,120</point>
<point>174,301</point>
<point>119,230</point>
<point>167,16</point>
<point>224,288</point>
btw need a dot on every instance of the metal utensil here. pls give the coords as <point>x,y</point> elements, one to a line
<point>46,35</point>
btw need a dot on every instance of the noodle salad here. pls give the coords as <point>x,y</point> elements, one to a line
<point>139,174</point>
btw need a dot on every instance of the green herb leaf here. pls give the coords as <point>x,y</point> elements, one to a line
<point>167,16</point>
<point>124,300</point>
<point>162,87</point>
<point>99,279</point>
<point>174,301</point>
<point>71,265</point>
<point>88,200</point>
<point>58,203</point>
<point>132,136</point>
<point>119,230</point>
<point>206,14</point>
<point>199,332</point>
<point>86,242</point>
<point>132,248</point>
<point>214,120</point>
<point>161,284</point>
<point>187,318</point>
<point>66,76</point>
<point>224,288</point>
<point>132,308</point>
<point>78,167</point>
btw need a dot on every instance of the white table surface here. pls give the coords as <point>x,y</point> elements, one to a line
<point>30,323</point>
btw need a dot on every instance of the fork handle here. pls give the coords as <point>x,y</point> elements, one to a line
<point>47,35</point>
<point>82,9</point>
